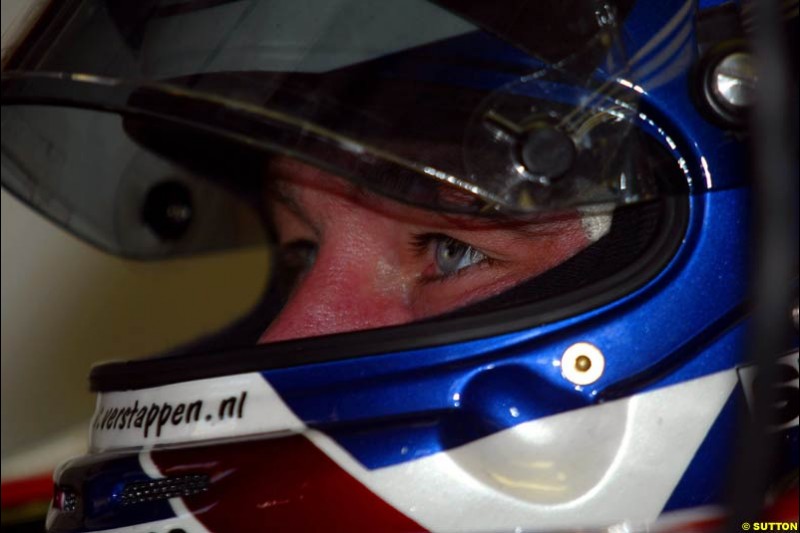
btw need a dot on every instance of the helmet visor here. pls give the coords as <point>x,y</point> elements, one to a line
<point>409,99</point>
<point>162,129</point>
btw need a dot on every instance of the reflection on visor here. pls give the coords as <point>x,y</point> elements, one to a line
<point>516,152</point>
<point>400,99</point>
<point>82,171</point>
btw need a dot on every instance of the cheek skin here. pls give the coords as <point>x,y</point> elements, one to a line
<point>391,280</point>
<point>337,295</point>
<point>366,273</point>
<point>359,279</point>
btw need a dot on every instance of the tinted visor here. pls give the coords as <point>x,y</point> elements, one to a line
<point>409,99</point>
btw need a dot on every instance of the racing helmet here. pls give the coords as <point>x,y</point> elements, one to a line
<point>508,259</point>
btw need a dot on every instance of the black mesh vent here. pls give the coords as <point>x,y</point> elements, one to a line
<point>162,489</point>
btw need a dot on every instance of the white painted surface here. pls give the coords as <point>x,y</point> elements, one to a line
<point>262,412</point>
<point>626,478</point>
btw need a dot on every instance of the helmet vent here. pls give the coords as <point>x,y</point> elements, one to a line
<point>163,489</point>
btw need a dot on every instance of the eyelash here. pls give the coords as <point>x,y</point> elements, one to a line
<point>297,256</point>
<point>421,244</point>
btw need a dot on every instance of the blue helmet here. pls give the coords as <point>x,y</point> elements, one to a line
<point>507,279</point>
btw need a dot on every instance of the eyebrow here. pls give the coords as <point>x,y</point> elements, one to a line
<point>286,198</point>
<point>443,220</point>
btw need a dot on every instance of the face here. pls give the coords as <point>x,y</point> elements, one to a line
<point>363,261</point>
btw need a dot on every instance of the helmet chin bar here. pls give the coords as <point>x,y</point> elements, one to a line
<point>564,470</point>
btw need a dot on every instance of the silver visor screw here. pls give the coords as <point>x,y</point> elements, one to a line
<point>733,80</point>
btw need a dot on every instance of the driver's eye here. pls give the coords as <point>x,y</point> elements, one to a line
<point>294,259</point>
<point>450,256</point>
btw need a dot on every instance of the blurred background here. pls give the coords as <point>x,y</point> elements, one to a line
<point>67,306</point>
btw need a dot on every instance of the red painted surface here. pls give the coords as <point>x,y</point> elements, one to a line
<point>26,490</point>
<point>785,508</point>
<point>285,484</point>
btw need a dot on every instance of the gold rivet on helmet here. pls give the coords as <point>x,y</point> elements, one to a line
<point>582,363</point>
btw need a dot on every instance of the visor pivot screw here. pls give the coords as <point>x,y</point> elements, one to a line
<point>546,152</point>
<point>582,363</point>
<point>725,85</point>
<point>733,80</point>
<point>167,210</point>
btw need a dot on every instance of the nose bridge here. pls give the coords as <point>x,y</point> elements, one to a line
<point>350,286</point>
